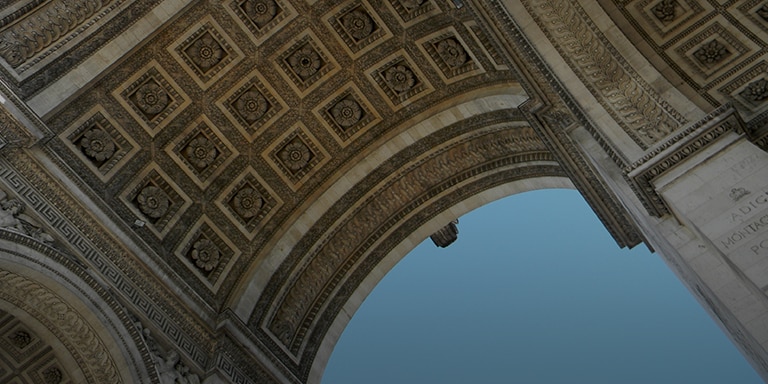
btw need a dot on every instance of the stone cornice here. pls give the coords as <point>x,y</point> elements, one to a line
<point>677,149</point>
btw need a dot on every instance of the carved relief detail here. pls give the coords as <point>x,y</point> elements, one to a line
<point>151,97</point>
<point>81,340</point>
<point>410,11</point>
<point>261,17</point>
<point>400,80</point>
<point>206,51</point>
<point>358,28</point>
<point>251,106</point>
<point>249,202</point>
<point>45,26</point>
<point>156,200</point>
<point>208,252</point>
<point>100,143</point>
<point>340,248</point>
<point>347,114</point>
<point>296,155</point>
<point>641,113</point>
<point>306,62</point>
<point>450,54</point>
<point>202,151</point>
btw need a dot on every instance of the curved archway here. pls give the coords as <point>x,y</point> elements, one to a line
<point>532,295</point>
<point>87,334</point>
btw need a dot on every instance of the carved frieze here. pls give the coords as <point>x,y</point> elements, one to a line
<point>44,26</point>
<point>635,106</point>
<point>342,245</point>
<point>66,323</point>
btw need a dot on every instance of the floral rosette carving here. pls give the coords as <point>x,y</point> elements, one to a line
<point>358,24</point>
<point>400,78</point>
<point>295,155</point>
<point>206,52</point>
<point>247,203</point>
<point>97,144</point>
<point>52,375</point>
<point>411,4</point>
<point>710,53</point>
<point>665,10</point>
<point>347,113</point>
<point>251,105</point>
<point>153,202</point>
<point>260,11</point>
<point>452,52</point>
<point>205,254</point>
<point>200,152</point>
<point>151,98</point>
<point>756,91</point>
<point>305,62</point>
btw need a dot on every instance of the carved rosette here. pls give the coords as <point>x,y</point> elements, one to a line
<point>450,54</point>
<point>297,155</point>
<point>202,151</point>
<point>399,80</point>
<point>99,143</point>
<point>306,62</point>
<point>151,97</point>
<point>358,28</point>
<point>358,24</point>
<point>251,106</point>
<point>206,52</point>
<point>665,11</point>
<point>207,252</point>
<point>260,12</point>
<point>346,113</point>
<point>249,203</point>
<point>711,53</point>
<point>155,200</point>
<point>756,91</point>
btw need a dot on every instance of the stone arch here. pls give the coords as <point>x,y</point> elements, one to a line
<point>89,333</point>
<point>402,249</point>
<point>468,151</point>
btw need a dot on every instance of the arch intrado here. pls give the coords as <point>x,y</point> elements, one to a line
<point>88,336</point>
<point>232,171</point>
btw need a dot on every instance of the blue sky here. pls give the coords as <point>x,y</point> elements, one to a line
<point>534,291</point>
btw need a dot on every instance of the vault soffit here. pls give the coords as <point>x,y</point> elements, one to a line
<point>205,140</point>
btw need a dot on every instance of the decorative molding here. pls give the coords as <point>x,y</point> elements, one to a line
<point>48,24</point>
<point>81,340</point>
<point>104,254</point>
<point>685,144</point>
<point>636,107</point>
